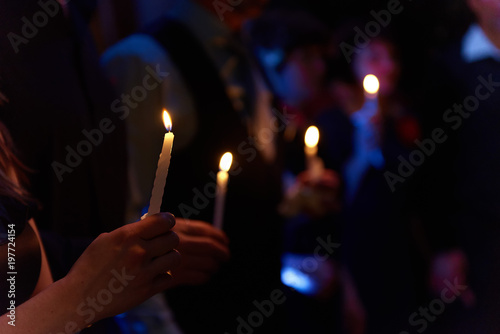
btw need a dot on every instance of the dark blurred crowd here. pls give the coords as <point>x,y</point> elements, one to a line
<point>389,224</point>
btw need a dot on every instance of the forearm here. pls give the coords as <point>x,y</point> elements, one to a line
<point>54,310</point>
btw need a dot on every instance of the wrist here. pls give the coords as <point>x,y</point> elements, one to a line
<point>57,305</point>
<point>71,306</point>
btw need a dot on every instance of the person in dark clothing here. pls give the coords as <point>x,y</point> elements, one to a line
<point>375,130</point>
<point>461,189</point>
<point>290,46</point>
<point>59,113</point>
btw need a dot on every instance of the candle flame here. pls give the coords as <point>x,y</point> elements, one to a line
<point>312,136</point>
<point>371,84</point>
<point>226,161</point>
<point>167,121</point>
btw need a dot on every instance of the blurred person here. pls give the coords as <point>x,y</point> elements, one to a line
<point>377,245</point>
<point>292,59</point>
<point>289,46</point>
<point>461,182</point>
<point>217,103</point>
<point>137,256</point>
<point>391,115</point>
<point>55,93</point>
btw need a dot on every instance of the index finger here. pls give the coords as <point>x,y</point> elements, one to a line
<point>200,228</point>
<point>155,225</point>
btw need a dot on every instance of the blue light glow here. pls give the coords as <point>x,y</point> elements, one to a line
<point>298,280</point>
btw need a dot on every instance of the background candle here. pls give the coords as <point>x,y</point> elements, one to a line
<point>162,169</point>
<point>314,163</point>
<point>366,119</point>
<point>371,86</point>
<point>220,197</point>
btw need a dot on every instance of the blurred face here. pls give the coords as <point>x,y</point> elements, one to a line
<point>238,11</point>
<point>301,76</point>
<point>486,11</point>
<point>378,59</point>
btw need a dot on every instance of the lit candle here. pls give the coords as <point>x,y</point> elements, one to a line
<point>220,195</point>
<point>367,113</point>
<point>162,169</point>
<point>371,86</point>
<point>370,107</point>
<point>314,163</point>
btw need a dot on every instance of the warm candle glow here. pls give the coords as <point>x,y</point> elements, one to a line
<point>371,84</point>
<point>312,136</point>
<point>226,161</point>
<point>220,194</point>
<point>314,163</point>
<point>167,121</point>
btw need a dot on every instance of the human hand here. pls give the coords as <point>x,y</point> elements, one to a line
<point>121,269</point>
<point>451,267</point>
<point>352,308</point>
<point>315,197</point>
<point>319,281</point>
<point>329,180</point>
<point>204,249</point>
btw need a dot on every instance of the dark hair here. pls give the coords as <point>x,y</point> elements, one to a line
<point>11,167</point>
<point>340,66</point>
<point>285,29</point>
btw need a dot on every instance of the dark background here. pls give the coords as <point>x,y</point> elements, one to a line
<point>423,24</point>
<point>420,29</point>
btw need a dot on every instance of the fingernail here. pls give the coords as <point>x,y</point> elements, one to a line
<point>171,217</point>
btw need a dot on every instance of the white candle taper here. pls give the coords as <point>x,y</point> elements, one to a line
<point>314,163</point>
<point>162,169</point>
<point>220,195</point>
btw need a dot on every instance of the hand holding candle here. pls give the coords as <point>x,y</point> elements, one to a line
<point>220,197</point>
<point>162,169</point>
<point>314,163</point>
